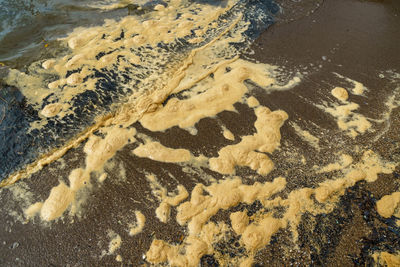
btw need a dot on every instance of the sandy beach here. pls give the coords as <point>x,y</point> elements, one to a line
<point>336,44</point>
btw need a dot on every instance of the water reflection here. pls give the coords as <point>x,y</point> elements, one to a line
<point>29,28</point>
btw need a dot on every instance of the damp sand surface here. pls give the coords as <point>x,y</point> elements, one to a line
<point>339,227</point>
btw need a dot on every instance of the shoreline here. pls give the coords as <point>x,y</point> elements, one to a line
<point>295,46</point>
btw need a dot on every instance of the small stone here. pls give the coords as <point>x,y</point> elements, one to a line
<point>14,245</point>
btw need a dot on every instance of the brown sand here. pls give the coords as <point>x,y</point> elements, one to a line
<point>338,31</point>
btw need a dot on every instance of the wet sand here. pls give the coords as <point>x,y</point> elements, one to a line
<point>356,39</point>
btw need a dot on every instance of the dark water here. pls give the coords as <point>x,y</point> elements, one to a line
<point>29,32</point>
<point>29,28</point>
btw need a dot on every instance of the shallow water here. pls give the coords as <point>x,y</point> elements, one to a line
<point>29,29</point>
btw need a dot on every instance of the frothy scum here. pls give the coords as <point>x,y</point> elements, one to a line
<point>180,91</point>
